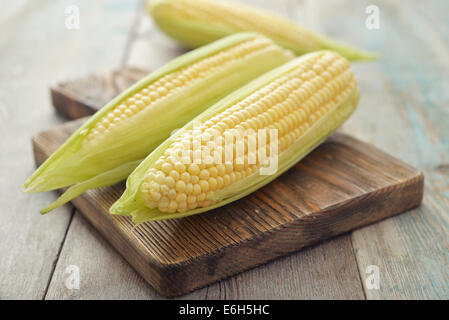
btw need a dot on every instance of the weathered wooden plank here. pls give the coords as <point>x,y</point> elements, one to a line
<point>404,111</point>
<point>103,273</point>
<point>325,271</point>
<point>403,98</point>
<point>111,278</point>
<point>36,49</point>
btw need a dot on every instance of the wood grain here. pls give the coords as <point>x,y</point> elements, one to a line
<point>404,111</point>
<point>324,271</point>
<point>112,279</point>
<point>342,185</point>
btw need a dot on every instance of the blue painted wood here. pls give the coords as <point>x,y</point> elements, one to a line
<point>408,109</point>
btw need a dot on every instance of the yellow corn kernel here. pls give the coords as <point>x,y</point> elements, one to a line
<point>302,102</point>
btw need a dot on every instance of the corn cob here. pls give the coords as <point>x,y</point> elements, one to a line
<point>197,22</point>
<point>302,102</point>
<point>111,144</point>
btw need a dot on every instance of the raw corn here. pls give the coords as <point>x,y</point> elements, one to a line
<point>111,143</point>
<point>302,102</point>
<point>197,22</point>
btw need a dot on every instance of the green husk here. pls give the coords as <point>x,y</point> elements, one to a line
<point>131,202</point>
<point>195,33</point>
<point>104,179</point>
<point>75,163</point>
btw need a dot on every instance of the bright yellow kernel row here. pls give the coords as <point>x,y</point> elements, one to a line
<point>172,83</point>
<point>290,104</point>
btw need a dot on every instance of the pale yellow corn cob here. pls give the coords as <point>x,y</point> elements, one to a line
<point>302,101</point>
<point>197,22</point>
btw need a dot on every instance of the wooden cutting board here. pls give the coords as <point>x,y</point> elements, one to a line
<point>342,185</point>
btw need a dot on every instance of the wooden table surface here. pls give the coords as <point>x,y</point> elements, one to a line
<point>403,110</point>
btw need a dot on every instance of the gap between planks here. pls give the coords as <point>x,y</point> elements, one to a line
<point>132,34</point>
<point>56,260</point>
